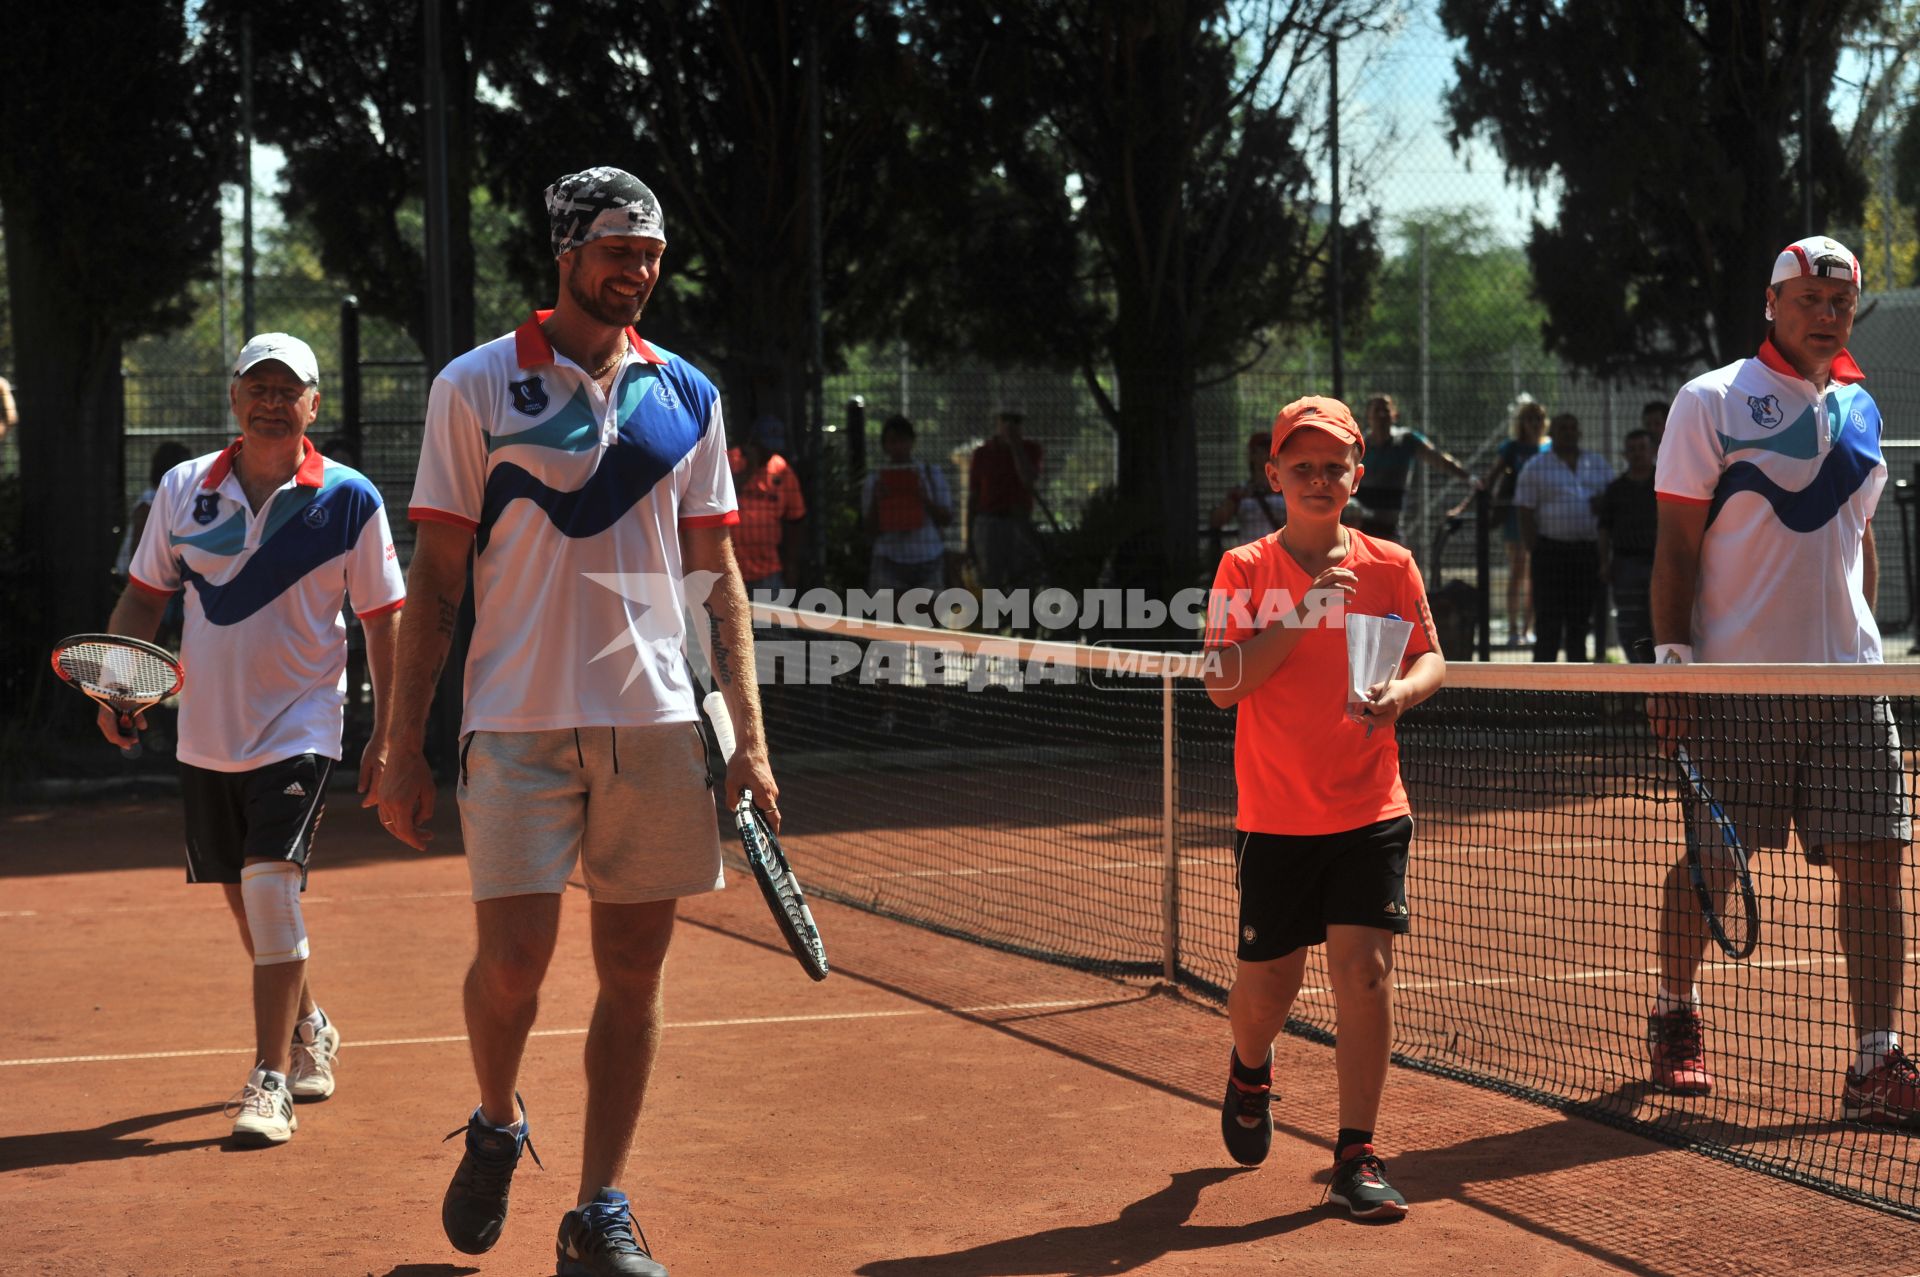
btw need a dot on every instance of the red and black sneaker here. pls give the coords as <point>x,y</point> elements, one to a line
<point>1245,1122</point>
<point>1677,1048</point>
<point>1889,1095</point>
<point>1360,1184</point>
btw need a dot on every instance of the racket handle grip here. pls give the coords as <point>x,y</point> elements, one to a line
<point>127,725</point>
<point>131,751</point>
<point>715,706</point>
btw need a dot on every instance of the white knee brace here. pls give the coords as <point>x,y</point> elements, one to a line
<point>270,892</point>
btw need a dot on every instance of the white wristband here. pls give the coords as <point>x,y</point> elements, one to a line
<point>1673,654</point>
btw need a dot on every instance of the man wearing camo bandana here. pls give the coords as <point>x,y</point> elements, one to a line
<point>579,467</point>
<point>598,202</point>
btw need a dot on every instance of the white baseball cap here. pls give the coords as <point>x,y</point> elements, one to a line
<point>291,351</point>
<point>1816,255</point>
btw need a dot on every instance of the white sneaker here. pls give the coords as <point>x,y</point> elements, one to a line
<point>263,1112</point>
<point>311,1077</point>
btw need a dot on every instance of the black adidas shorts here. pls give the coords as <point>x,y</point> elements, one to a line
<point>269,813</point>
<point>1292,887</point>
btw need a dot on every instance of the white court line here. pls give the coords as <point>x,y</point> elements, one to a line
<point>177,907</point>
<point>740,1022</point>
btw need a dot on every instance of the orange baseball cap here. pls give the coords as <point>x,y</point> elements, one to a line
<point>1320,413</point>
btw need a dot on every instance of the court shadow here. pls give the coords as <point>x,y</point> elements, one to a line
<point>1146,1231</point>
<point>104,1143</point>
<point>429,1270</point>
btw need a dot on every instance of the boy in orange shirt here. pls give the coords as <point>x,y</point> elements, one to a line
<point>1320,852</point>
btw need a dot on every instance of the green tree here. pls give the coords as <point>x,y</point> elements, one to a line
<point>111,158</point>
<point>1481,316</point>
<point>338,88</point>
<point>715,120</point>
<point>1137,205</point>
<point>1673,131</point>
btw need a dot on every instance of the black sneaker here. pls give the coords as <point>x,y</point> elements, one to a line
<point>598,1241</point>
<point>1360,1185</point>
<point>1245,1123</point>
<point>475,1207</point>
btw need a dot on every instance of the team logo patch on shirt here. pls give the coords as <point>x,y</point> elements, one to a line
<point>1766,411</point>
<point>316,516</point>
<point>206,507</point>
<point>664,393</point>
<point>529,396</point>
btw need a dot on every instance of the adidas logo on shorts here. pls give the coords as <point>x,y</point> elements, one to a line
<point>294,790</point>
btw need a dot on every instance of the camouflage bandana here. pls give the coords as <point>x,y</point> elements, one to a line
<point>585,206</point>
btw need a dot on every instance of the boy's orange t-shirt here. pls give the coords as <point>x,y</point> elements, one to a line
<point>1301,765</point>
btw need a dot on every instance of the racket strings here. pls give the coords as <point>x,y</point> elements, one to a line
<point>115,672</point>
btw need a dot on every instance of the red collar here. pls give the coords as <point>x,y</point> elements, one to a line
<point>1844,370</point>
<point>532,349</point>
<point>307,476</point>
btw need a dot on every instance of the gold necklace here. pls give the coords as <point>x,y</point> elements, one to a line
<point>605,368</point>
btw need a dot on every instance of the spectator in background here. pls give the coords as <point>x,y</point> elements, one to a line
<point>906,503</point>
<point>1391,452</point>
<point>9,412</point>
<point>1528,442</point>
<point>1254,507</point>
<point>1001,483</point>
<point>1555,496</point>
<point>772,509</point>
<point>1653,420</point>
<point>1629,517</point>
<point>166,455</point>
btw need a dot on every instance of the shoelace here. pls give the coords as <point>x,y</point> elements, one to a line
<point>1368,1170</point>
<point>1895,1061</point>
<point>492,1171</point>
<point>1253,1103</point>
<point>614,1226</point>
<point>1683,1032</point>
<point>256,1100</point>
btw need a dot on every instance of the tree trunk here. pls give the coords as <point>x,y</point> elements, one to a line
<point>71,414</point>
<point>1158,472</point>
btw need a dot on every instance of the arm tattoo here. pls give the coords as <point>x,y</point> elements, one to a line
<point>449,616</point>
<point>722,653</point>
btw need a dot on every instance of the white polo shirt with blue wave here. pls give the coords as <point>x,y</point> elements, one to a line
<point>1790,476</point>
<point>264,645</point>
<point>576,499</point>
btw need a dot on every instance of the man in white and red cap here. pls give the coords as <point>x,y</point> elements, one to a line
<point>268,540</point>
<point>1767,481</point>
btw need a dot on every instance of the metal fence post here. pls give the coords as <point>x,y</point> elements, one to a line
<point>350,421</point>
<point>1169,837</point>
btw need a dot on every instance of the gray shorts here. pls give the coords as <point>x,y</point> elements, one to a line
<point>1829,765</point>
<point>633,805</point>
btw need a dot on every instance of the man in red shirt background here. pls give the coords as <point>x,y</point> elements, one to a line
<point>772,509</point>
<point>1001,483</point>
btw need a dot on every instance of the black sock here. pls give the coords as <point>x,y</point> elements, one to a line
<point>1262,1076</point>
<point>1349,1138</point>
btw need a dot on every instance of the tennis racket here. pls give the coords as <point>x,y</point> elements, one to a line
<point>768,862</point>
<point>124,674</point>
<point>1704,809</point>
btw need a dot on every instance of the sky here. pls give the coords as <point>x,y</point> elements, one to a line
<point>1394,131</point>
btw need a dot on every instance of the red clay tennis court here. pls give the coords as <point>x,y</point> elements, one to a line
<point>936,1107</point>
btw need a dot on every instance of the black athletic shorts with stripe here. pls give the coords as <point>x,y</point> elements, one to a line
<point>1294,886</point>
<point>269,813</point>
